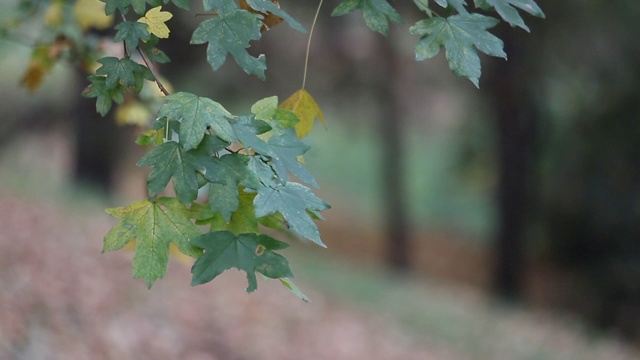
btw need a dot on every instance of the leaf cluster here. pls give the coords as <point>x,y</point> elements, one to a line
<point>233,175</point>
<point>462,29</point>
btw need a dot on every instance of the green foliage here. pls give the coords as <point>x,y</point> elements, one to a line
<point>461,36</point>
<point>250,252</point>
<point>246,163</point>
<point>230,33</point>
<point>376,13</point>
<point>153,225</point>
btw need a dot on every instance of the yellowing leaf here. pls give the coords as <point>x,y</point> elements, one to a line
<point>156,19</point>
<point>306,109</point>
<point>133,113</point>
<point>53,15</point>
<point>42,60</point>
<point>90,14</point>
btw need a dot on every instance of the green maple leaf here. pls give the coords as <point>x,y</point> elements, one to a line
<point>225,174</point>
<point>247,129</point>
<point>131,32</point>
<point>462,36</point>
<point>243,219</point>
<point>154,225</point>
<point>105,95</point>
<point>170,160</point>
<point>139,6</point>
<point>153,53</point>
<point>125,71</point>
<point>250,252</point>
<point>230,33</point>
<point>220,6</point>
<point>376,13</point>
<point>507,10</point>
<point>292,200</point>
<point>268,111</point>
<point>459,5</point>
<point>284,150</point>
<point>268,6</point>
<point>196,114</point>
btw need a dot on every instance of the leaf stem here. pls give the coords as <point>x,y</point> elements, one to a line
<point>306,57</point>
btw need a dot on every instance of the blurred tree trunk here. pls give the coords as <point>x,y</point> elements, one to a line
<point>515,116</point>
<point>390,131</point>
<point>96,142</point>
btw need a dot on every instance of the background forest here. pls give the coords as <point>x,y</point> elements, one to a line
<point>522,197</point>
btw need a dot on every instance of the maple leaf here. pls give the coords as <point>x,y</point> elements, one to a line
<point>507,10</point>
<point>376,13</point>
<point>230,33</point>
<point>250,252</point>
<point>247,129</point>
<point>131,32</point>
<point>196,114</point>
<point>292,200</point>
<point>220,6</point>
<point>153,53</point>
<point>105,95</point>
<point>243,219</point>
<point>306,109</point>
<point>123,6</point>
<point>461,36</point>
<point>156,20</point>
<point>225,174</point>
<point>153,225</point>
<point>271,12</point>
<point>170,160</point>
<point>279,119</point>
<point>125,71</point>
<point>285,150</point>
<point>91,14</point>
<point>459,5</point>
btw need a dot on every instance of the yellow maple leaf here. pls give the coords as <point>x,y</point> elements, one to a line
<point>306,109</point>
<point>156,19</point>
<point>90,14</point>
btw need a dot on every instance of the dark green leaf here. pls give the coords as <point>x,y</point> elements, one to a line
<point>169,160</point>
<point>292,200</point>
<point>462,36</point>
<point>459,5</point>
<point>125,71</point>
<point>224,250</point>
<point>376,13</point>
<point>267,6</point>
<point>507,10</point>
<point>220,6</point>
<point>153,53</point>
<point>131,32</point>
<point>247,129</point>
<point>105,95</point>
<point>196,114</point>
<point>230,33</point>
<point>284,151</point>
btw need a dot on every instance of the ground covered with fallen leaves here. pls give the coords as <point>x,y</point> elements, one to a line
<point>61,299</point>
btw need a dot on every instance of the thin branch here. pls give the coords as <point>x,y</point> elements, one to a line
<point>155,77</point>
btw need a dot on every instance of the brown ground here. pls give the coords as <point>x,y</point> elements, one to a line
<point>61,299</point>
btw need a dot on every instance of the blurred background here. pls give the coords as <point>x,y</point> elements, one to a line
<point>499,223</point>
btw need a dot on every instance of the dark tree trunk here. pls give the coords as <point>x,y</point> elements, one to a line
<point>96,143</point>
<point>515,117</point>
<point>390,130</point>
